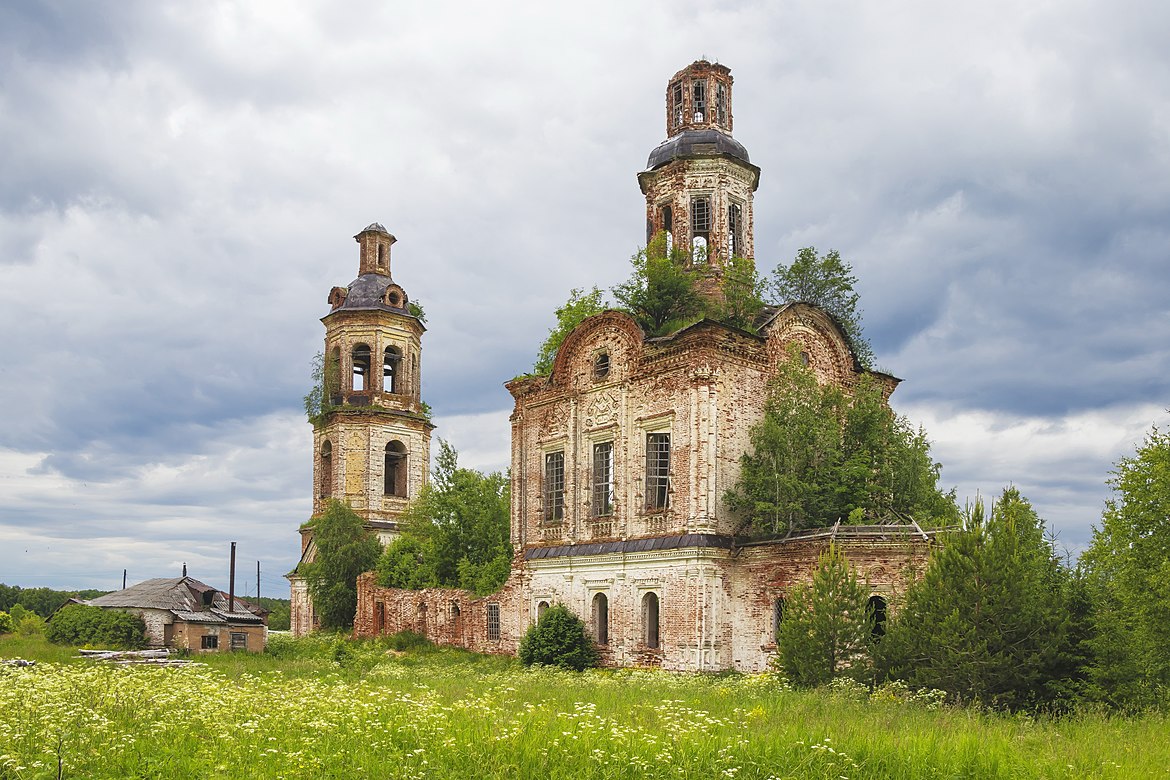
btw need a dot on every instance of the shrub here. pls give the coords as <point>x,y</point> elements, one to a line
<point>79,624</point>
<point>558,639</point>
<point>5,623</point>
<point>407,640</point>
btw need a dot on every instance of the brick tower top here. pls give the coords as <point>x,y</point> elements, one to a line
<point>375,242</point>
<point>698,97</point>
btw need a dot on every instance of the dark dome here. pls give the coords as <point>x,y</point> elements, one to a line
<point>368,291</point>
<point>697,143</point>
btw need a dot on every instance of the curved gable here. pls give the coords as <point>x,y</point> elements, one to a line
<point>818,335</point>
<point>613,334</point>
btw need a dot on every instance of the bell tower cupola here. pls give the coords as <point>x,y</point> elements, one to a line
<point>699,182</point>
<point>375,242</point>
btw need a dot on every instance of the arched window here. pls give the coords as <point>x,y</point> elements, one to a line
<point>361,368</point>
<point>325,472</point>
<point>700,229</point>
<point>541,608</point>
<point>875,608</point>
<point>601,619</point>
<point>777,616</point>
<point>650,619</point>
<point>392,370</point>
<point>333,376</point>
<point>668,227</point>
<point>394,475</point>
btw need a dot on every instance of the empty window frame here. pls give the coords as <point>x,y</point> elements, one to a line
<point>650,620</point>
<point>676,104</point>
<point>394,472</point>
<point>493,622</point>
<point>735,246</point>
<point>601,619</point>
<point>603,479</point>
<point>699,100</point>
<point>668,227</point>
<point>325,472</point>
<point>700,228</point>
<point>554,486</point>
<point>541,608</point>
<point>392,370</point>
<point>721,103</point>
<point>361,368</point>
<point>777,616</point>
<point>875,608</point>
<point>601,365</point>
<point>209,643</point>
<point>657,471</point>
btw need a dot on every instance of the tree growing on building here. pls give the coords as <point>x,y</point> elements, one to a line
<point>455,534</point>
<point>660,294</point>
<point>826,281</point>
<point>819,456</point>
<point>345,549</point>
<point>581,304</point>
<point>826,629</point>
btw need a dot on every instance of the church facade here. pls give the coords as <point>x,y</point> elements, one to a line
<point>621,456</point>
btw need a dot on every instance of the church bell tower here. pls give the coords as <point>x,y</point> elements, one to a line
<point>699,182</point>
<point>372,437</point>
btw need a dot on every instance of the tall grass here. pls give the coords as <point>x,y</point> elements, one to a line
<point>331,708</point>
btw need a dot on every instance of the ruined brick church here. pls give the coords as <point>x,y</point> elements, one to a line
<point>621,455</point>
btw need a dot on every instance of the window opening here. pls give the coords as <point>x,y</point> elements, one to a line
<point>699,100</point>
<point>601,619</point>
<point>493,622</point>
<point>657,470</point>
<point>239,640</point>
<point>325,489</point>
<point>676,93</point>
<point>735,230</point>
<point>394,474</point>
<point>361,367</point>
<point>803,358</point>
<point>554,486</point>
<point>777,616</point>
<point>603,479</point>
<point>668,226</point>
<point>381,260</point>
<point>721,103</point>
<point>650,619</point>
<point>209,643</point>
<point>333,376</point>
<point>454,609</point>
<point>601,365</point>
<point>541,608</point>
<point>700,228</point>
<point>391,370</point>
<point>875,608</point>
<point>414,372</point>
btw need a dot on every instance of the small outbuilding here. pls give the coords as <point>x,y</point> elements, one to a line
<point>185,614</point>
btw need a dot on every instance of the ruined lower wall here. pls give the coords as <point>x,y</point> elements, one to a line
<point>716,607</point>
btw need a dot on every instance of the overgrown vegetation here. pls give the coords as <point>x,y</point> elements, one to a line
<point>443,713</point>
<point>660,294</point>
<point>558,638</point>
<point>454,534</point>
<point>80,624</point>
<point>819,456</point>
<point>345,549</point>
<point>580,305</point>
<point>42,601</point>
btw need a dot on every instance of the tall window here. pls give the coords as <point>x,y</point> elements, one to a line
<point>603,479</point>
<point>392,370</point>
<point>601,619</point>
<point>333,376</point>
<point>325,489</point>
<point>361,367</point>
<point>554,487</point>
<point>876,609</point>
<point>493,622</point>
<point>650,619</point>
<point>657,470</point>
<point>777,616</point>
<point>735,230</point>
<point>700,228</point>
<point>394,474</point>
<point>668,226</point>
<point>699,100</point>
<point>676,98</point>
<point>721,103</point>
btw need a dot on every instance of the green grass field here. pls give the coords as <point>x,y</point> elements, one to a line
<point>322,708</point>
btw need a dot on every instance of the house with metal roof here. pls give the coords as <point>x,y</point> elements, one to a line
<point>185,614</point>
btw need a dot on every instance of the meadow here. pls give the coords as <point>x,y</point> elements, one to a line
<point>327,708</point>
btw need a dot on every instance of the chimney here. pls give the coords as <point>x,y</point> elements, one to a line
<point>184,568</point>
<point>232,582</point>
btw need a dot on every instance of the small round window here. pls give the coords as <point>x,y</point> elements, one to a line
<point>601,365</point>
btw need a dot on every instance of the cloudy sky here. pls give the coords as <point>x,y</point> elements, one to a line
<point>180,183</point>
